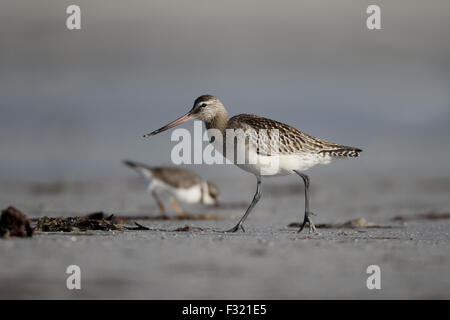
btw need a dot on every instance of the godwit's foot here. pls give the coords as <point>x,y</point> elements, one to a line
<point>307,220</point>
<point>235,229</point>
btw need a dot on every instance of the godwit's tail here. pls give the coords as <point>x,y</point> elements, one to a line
<point>341,152</point>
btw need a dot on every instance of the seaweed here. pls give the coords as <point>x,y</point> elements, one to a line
<point>48,224</point>
<point>14,223</point>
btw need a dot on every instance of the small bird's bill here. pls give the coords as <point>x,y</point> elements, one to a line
<point>129,163</point>
<point>187,117</point>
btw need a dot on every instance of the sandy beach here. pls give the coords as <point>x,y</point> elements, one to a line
<point>269,260</point>
<point>74,103</point>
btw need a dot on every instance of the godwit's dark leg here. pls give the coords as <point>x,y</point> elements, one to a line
<point>255,200</point>
<point>307,219</point>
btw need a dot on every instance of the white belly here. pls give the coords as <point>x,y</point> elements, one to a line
<point>188,195</point>
<point>283,164</point>
<point>279,165</point>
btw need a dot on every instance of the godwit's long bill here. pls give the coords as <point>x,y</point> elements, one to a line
<point>295,152</point>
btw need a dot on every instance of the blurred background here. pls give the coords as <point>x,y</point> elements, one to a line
<point>74,103</point>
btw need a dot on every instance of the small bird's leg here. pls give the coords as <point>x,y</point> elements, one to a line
<point>177,208</point>
<point>160,204</point>
<point>256,198</point>
<point>312,227</point>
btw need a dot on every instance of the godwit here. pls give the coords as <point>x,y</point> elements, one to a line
<point>297,151</point>
<point>178,184</point>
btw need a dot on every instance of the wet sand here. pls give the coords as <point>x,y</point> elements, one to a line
<point>269,260</point>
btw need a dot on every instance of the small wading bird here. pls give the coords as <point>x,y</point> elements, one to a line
<point>297,151</point>
<point>178,184</point>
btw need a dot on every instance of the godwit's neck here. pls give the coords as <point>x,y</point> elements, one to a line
<point>219,121</point>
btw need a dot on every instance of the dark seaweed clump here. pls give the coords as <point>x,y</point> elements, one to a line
<point>91,222</point>
<point>14,223</point>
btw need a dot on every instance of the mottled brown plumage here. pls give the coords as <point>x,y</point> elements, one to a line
<point>288,150</point>
<point>176,177</point>
<point>180,184</point>
<point>292,140</point>
<point>173,176</point>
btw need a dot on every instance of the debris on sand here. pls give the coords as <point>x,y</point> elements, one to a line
<point>355,223</point>
<point>100,215</point>
<point>109,222</point>
<point>14,223</point>
<point>294,225</point>
<point>188,229</point>
<point>186,216</point>
<point>423,216</point>
<point>47,224</point>
<point>70,224</point>
<point>138,227</point>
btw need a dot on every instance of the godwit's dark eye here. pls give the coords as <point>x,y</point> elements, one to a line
<point>203,105</point>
